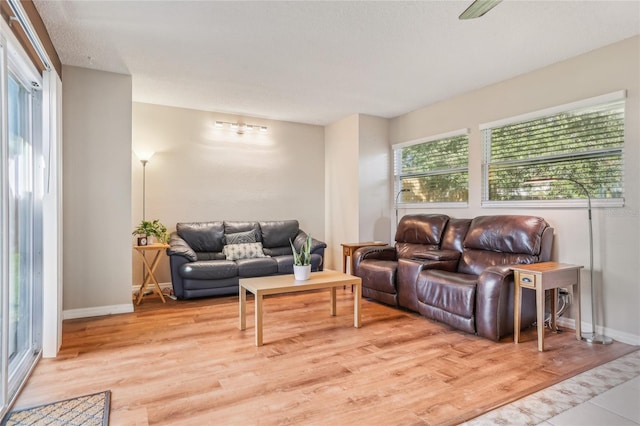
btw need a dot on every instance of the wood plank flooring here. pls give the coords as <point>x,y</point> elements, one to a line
<point>186,363</point>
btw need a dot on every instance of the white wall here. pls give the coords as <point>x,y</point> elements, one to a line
<point>374,174</point>
<point>357,181</point>
<point>342,187</point>
<point>97,192</point>
<point>202,173</point>
<point>616,231</point>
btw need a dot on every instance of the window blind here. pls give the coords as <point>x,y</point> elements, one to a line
<point>433,171</point>
<point>585,144</point>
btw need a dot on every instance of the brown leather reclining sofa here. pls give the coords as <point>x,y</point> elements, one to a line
<point>456,271</point>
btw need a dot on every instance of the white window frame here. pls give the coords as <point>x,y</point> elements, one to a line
<point>396,151</point>
<point>561,203</point>
<point>15,61</point>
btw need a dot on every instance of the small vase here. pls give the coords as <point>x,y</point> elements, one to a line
<point>301,272</point>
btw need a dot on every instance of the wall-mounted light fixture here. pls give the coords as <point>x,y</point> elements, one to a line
<point>241,128</point>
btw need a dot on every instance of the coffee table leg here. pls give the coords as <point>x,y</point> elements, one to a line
<point>258,319</point>
<point>356,305</point>
<point>243,308</point>
<point>333,301</point>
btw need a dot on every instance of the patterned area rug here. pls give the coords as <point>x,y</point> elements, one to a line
<point>88,410</point>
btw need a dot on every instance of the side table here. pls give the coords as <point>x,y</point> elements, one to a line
<point>150,268</point>
<point>540,277</point>
<point>349,248</point>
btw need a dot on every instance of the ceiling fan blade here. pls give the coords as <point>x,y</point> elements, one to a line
<point>478,8</point>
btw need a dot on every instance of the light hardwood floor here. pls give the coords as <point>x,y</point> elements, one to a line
<point>187,363</point>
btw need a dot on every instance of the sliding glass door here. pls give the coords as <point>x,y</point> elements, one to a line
<point>21,168</point>
<point>23,200</point>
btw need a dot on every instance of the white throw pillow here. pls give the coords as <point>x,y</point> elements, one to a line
<point>243,251</point>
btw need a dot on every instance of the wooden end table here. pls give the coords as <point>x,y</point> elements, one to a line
<point>150,268</point>
<point>349,248</point>
<point>540,277</point>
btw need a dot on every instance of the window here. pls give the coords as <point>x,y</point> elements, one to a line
<point>433,170</point>
<point>582,141</point>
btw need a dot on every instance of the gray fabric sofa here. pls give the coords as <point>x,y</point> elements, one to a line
<point>204,259</point>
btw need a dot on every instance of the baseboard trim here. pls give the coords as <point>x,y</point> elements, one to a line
<point>97,311</point>
<point>136,287</point>
<point>620,336</point>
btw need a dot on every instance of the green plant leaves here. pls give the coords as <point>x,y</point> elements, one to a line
<point>152,228</point>
<point>302,257</point>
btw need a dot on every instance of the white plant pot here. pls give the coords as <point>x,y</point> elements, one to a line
<point>301,272</point>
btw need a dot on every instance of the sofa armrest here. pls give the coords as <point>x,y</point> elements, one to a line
<point>317,246</point>
<point>494,303</point>
<point>438,255</point>
<point>407,275</point>
<point>179,247</point>
<point>373,253</point>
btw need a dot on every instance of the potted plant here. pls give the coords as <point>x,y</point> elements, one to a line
<point>148,229</point>
<point>302,260</point>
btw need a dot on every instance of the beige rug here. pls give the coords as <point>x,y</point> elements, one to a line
<point>88,410</point>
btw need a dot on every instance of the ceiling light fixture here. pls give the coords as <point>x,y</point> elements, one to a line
<point>239,127</point>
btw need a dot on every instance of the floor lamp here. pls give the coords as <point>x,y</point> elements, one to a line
<point>144,187</point>
<point>593,337</point>
<point>144,159</point>
<point>398,195</point>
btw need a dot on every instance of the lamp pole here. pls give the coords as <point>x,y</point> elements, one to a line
<point>144,157</point>
<point>144,187</point>
<point>398,195</point>
<point>594,337</point>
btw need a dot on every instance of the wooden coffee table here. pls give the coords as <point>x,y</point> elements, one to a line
<point>281,284</point>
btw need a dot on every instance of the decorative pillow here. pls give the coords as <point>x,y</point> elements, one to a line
<point>241,237</point>
<point>243,251</point>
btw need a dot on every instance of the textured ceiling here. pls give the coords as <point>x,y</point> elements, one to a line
<point>316,62</point>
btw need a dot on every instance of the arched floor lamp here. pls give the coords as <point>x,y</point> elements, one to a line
<point>593,337</point>
<point>398,195</point>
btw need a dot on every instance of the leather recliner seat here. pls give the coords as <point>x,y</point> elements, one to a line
<point>416,234</point>
<point>466,282</point>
